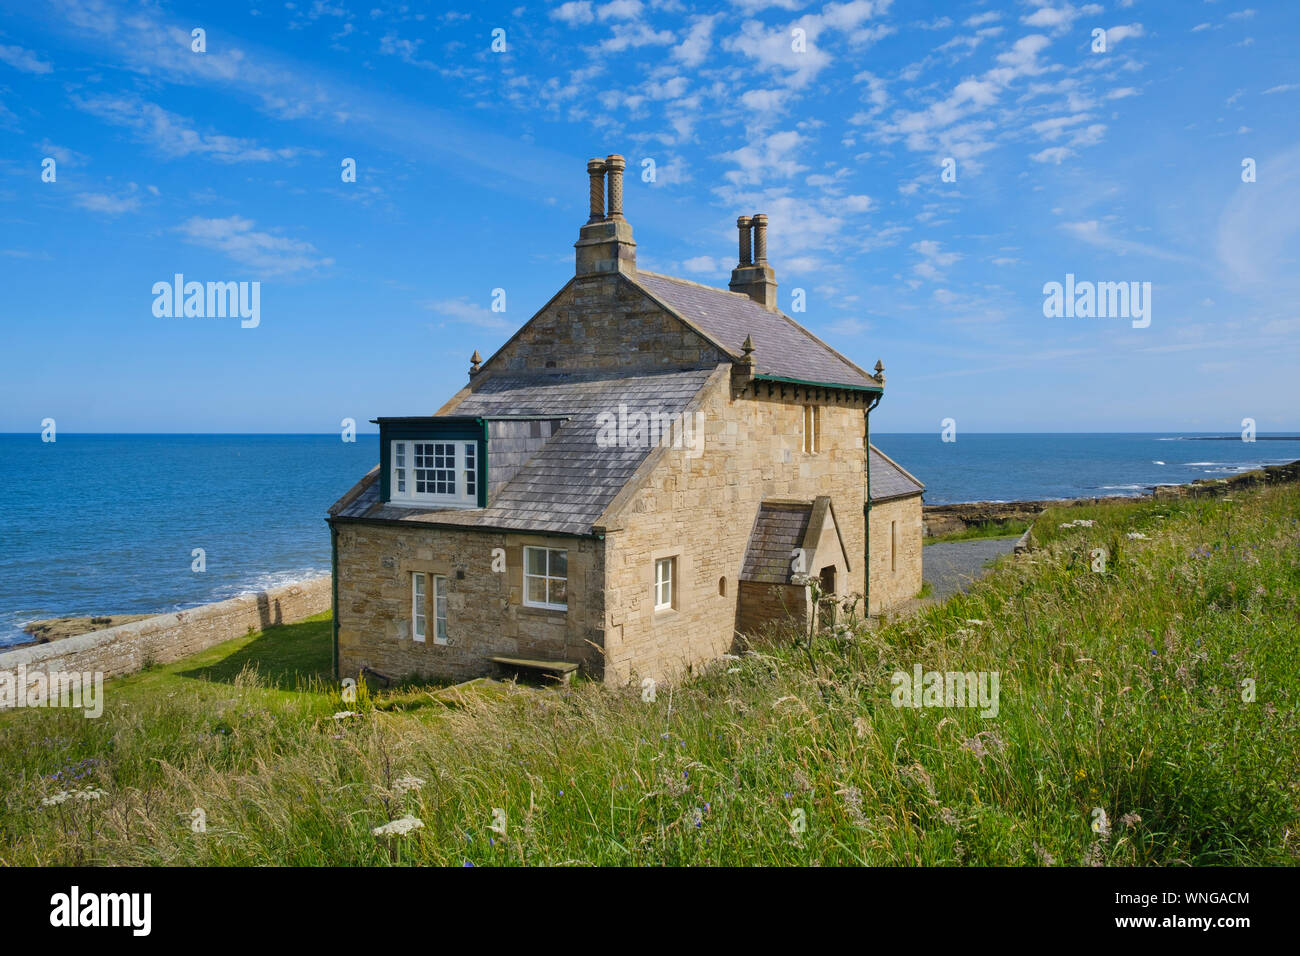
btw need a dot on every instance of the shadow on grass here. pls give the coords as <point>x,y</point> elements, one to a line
<point>286,656</point>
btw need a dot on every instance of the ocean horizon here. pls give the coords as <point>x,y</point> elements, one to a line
<point>109,523</point>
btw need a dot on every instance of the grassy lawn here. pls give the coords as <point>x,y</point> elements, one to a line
<point>985,529</point>
<point>1147,715</point>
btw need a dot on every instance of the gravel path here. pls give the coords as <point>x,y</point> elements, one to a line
<point>950,566</point>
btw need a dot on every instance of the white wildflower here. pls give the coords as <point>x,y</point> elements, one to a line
<point>407,783</point>
<point>399,827</point>
<point>345,714</point>
<point>1136,536</point>
<point>1100,822</point>
<point>63,796</point>
<point>974,620</point>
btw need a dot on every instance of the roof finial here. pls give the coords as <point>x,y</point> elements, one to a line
<point>880,370</point>
<point>748,349</point>
<point>476,360</point>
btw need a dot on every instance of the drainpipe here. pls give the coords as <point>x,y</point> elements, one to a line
<point>866,524</point>
<point>334,592</point>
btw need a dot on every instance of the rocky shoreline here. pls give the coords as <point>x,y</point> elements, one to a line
<point>946,519</point>
<point>57,628</point>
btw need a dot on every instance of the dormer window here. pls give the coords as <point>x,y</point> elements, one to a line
<point>434,472</point>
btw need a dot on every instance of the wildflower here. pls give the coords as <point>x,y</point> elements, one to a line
<point>1100,822</point>
<point>406,784</point>
<point>400,827</point>
<point>1136,536</point>
<point>63,796</point>
<point>345,714</point>
<point>1130,820</point>
<point>974,620</point>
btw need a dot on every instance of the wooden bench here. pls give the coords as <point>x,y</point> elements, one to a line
<point>556,670</point>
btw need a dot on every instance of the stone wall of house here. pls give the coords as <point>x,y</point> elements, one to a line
<point>588,326</point>
<point>762,604</point>
<point>701,511</point>
<point>169,637</point>
<point>896,566</point>
<point>486,615</point>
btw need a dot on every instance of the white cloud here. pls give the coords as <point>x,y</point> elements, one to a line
<point>1053,154</point>
<point>469,313</point>
<point>235,237</point>
<point>108,205</point>
<point>773,157</point>
<point>704,265</point>
<point>1060,19</point>
<point>574,12</point>
<point>172,135</point>
<point>24,60</point>
<point>933,258</point>
<point>698,41</point>
<point>1115,34</point>
<point>1094,234</point>
<point>620,10</point>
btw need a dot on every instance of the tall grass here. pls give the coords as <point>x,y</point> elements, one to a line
<point>1121,692</point>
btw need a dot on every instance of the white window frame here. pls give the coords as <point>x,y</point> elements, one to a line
<point>548,577</point>
<point>464,473</point>
<point>439,598</point>
<point>665,584</point>
<point>421,605</point>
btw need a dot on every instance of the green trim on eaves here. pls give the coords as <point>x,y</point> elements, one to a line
<point>873,389</point>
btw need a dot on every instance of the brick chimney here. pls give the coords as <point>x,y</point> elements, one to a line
<point>754,278</point>
<point>605,243</point>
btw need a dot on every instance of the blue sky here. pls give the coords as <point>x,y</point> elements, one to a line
<point>1122,165</point>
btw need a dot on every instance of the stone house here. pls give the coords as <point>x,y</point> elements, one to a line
<point>645,468</point>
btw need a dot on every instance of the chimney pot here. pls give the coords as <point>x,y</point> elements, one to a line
<point>596,170</point>
<point>605,244</point>
<point>614,165</point>
<point>754,277</point>
<point>760,239</point>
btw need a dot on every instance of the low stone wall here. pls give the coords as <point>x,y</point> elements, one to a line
<point>169,637</point>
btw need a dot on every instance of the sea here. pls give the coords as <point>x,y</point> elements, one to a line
<point>112,524</point>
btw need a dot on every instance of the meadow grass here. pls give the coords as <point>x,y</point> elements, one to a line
<point>982,529</point>
<point>1127,734</point>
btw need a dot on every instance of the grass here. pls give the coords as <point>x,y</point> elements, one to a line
<point>1121,694</point>
<point>983,529</point>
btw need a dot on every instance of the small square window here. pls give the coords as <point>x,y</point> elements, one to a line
<point>546,578</point>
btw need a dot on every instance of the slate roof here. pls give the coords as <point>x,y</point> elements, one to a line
<point>778,530</point>
<point>782,347</point>
<point>569,481</point>
<point>889,479</point>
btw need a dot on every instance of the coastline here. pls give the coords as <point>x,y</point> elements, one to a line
<point>36,632</point>
<point>937,520</point>
<point>948,518</point>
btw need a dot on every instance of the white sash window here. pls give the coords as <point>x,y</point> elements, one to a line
<point>435,472</point>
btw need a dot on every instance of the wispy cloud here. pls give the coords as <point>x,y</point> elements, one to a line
<point>235,237</point>
<point>174,136</point>
<point>24,60</point>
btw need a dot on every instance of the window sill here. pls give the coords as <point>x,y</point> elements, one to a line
<point>432,505</point>
<point>545,610</point>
